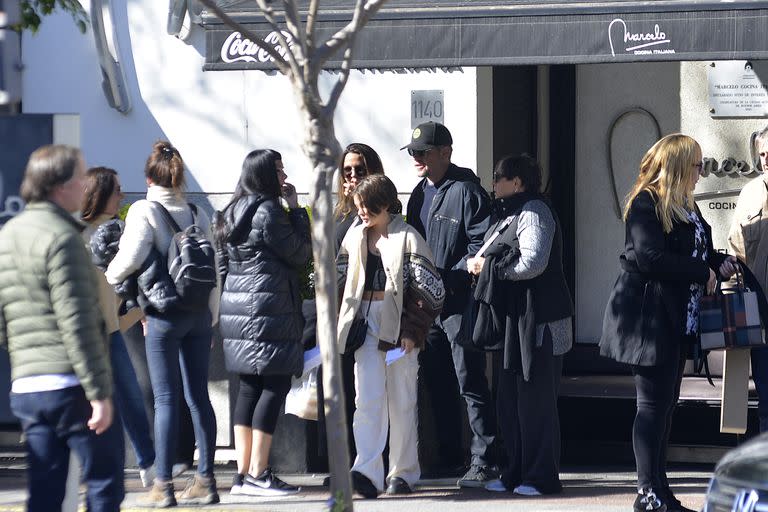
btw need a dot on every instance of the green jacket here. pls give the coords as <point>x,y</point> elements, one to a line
<point>50,320</point>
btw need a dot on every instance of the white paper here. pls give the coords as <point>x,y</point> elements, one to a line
<point>312,359</point>
<point>393,355</point>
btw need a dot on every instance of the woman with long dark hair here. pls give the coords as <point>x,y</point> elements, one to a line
<point>260,247</point>
<point>357,161</point>
<point>100,204</point>
<point>178,341</point>
<point>652,318</point>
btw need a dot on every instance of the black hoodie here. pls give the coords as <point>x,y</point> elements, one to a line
<point>458,220</point>
<point>261,320</point>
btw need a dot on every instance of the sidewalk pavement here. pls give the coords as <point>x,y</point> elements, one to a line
<point>594,489</point>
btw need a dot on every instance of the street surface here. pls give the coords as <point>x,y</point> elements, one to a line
<point>595,489</point>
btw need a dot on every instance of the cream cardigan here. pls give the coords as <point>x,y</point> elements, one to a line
<point>145,228</point>
<point>401,242</point>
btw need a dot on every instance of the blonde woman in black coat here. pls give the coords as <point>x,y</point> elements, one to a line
<point>261,247</point>
<point>652,316</point>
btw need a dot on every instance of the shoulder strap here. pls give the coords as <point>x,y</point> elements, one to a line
<point>168,217</point>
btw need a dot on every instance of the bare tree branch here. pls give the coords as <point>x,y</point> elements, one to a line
<point>280,62</point>
<point>338,88</point>
<point>269,15</point>
<point>311,18</point>
<point>293,22</point>
<point>347,34</point>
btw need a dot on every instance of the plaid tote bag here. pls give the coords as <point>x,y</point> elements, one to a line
<point>730,318</point>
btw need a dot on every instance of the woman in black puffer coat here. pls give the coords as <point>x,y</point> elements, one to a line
<point>261,247</point>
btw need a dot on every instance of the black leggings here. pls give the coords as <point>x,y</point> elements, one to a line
<point>658,389</point>
<point>259,400</point>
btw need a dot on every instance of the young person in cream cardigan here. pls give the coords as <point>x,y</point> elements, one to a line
<point>386,274</point>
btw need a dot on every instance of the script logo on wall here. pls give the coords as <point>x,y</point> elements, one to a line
<point>236,48</point>
<point>624,41</point>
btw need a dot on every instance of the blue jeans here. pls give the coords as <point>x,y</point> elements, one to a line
<point>759,358</point>
<point>55,422</point>
<point>129,401</point>
<point>180,342</point>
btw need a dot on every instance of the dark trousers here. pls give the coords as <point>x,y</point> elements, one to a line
<point>128,400</point>
<point>55,422</point>
<point>469,367</point>
<point>529,422</point>
<point>179,344</point>
<point>759,359</point>
<point>658,389</point>
<point>185,446</point>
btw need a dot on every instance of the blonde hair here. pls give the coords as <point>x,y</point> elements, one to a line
<point>665,172</point>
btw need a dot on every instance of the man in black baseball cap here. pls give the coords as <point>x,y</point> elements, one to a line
<point>429,135</point>
<point>451,211</point>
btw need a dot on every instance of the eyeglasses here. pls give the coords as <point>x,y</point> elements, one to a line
<point>419,153</point>
<point>497,177</point>
<point>358,171</point>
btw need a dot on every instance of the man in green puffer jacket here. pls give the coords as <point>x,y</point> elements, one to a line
<point>52,327</point>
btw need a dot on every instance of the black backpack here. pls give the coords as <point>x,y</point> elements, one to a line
<point>191,262</point>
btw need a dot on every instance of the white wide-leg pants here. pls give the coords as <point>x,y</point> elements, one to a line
<point>386,400</point>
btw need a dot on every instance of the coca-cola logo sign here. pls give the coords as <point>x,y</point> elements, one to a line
<point>236,48</point>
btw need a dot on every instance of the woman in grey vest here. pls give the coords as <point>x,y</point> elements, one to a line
<point>521,275</point>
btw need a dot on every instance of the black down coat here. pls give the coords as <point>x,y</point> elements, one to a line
<point>260,253</point>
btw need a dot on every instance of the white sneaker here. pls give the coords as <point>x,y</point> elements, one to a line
<point>527,490</point>
<point>178,469</point>
<point>496,486</point>
<point>147,476</point>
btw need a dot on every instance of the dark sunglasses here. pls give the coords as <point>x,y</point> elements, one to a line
<point>418,153</point>
<point>497,176</point>
<point>358,171</point>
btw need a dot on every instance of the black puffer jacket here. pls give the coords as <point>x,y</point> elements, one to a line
<point>261,321</point>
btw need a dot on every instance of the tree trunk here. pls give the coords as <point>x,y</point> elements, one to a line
<point>322,149</point>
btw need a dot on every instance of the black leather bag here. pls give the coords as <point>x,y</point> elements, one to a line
<point>357,332</point>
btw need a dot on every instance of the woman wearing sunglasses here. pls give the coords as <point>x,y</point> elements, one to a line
<point>358,161</point>
<point>652,318</point>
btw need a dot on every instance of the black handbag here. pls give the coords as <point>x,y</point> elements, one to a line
<point>357,332</point>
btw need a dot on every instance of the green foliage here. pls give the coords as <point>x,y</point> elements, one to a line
<point>123,211</point>
<point>32,12</point>
<point>307,278</point>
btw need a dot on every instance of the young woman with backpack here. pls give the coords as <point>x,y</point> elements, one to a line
<point>260,248</point>
<point>177,340</point>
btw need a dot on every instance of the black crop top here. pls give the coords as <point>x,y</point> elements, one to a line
<point>375,278</point>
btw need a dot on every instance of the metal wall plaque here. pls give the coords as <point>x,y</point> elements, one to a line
<point>738,88</point>
<point>426,106</point>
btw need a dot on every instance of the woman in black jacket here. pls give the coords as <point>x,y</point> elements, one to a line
<point>521,275</point>
<point>261,247</point>
<point>651,320</point>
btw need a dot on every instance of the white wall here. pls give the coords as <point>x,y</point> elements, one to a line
<point>603,92</point>
<point>215,118</point>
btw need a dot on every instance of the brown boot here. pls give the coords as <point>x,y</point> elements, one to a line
<point>159,496</point>
<point>199,491</point>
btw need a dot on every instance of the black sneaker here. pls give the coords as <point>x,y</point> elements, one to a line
<point>363,485</point>
<point>477,476</point>
<point>673,504</point>
<point>648,501</point>
<point>266,484</point>
<point>237,484</point>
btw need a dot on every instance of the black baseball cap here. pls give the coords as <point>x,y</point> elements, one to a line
<point>429,135</point>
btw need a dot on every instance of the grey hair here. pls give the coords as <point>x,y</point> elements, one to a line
<point>48,167</point>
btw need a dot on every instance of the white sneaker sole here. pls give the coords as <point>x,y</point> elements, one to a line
<point>254,490</point>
